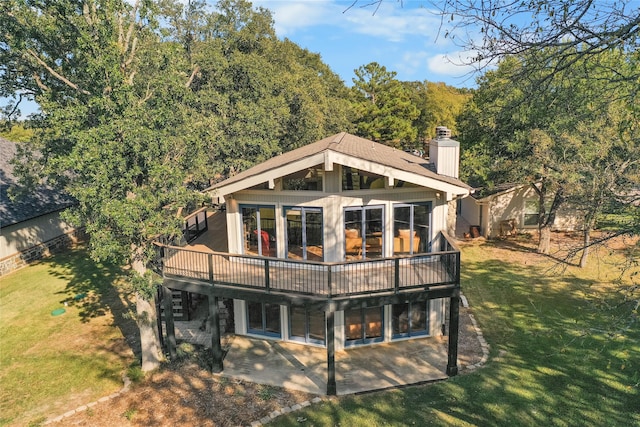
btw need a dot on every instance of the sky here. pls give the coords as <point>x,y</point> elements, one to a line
<point>404,36</point>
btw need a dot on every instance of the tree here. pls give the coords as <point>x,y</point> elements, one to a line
<point>439,105</point>
<point>268,95</point>
<point>116,131</point>
<point>383,108</point>
<point>575,142</point>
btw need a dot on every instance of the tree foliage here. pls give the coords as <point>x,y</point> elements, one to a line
<point>577,141</point>
<point>438,104</point>
<point>384,111</point>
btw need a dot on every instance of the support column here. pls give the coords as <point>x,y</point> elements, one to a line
<point>454,321</point>
<point>331,355</point>
<point>167,300</point>
<point>216,346</point>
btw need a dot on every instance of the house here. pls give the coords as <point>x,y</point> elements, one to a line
<point>30,225</point>
<point>337,244</point>
<point>509,209</point>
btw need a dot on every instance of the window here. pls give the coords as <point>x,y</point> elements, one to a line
<point>531,213</point>
<point>305,180</point>
<point>263,319</point>
<point>355,179</point>
<point>307,325</point>
<point>411,225</point>
<point>363,325</point>
<point>410,319</point>
<point>364,232</point>
<point>304,233</point>
<point>259,230</point>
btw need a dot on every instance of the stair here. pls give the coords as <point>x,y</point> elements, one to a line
<point>180,305</point>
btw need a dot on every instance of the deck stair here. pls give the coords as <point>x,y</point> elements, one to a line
<point>180,304</point>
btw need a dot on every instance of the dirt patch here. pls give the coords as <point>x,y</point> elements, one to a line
<point>189,395</point>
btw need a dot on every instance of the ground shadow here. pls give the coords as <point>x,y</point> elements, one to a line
<point>95,290</point>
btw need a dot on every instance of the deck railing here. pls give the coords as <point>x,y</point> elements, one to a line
<point>325,279</point>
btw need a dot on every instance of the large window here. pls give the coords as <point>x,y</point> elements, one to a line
<point>304,180</point>
<point>307,325</point>
<point>411,227</point>
<point>304,233</point>
<point>364,232</point>
<point>363,325</point>
<point>410,319</point>
<point>263,319</point>
<point>355,179</point>
<point>259,230</point>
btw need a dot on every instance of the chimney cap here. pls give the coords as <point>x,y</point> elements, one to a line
<point>443,132</point>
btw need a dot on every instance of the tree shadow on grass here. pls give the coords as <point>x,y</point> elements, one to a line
<point>96,290</point>
<point>526,244</point>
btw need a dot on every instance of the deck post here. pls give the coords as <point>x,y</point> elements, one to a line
<point>216,346</point>
<point>396,275</point>
<point>331,354</point>
<point>167,300</point>
<point>210,262</point>
<point>454,314</point>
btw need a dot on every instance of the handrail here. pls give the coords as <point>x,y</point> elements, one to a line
<point>326,279</point>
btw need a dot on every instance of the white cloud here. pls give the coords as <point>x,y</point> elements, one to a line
<point>454,66</point>
<point>391,21</point>
<point>290,15</point>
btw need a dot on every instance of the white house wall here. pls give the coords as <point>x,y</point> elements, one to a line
<point>511,205</point>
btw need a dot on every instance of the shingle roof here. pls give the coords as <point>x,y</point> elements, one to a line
<point>41,201</point>
<point>354,146</point>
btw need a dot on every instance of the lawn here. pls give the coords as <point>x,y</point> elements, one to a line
<point>565,351</point>
<point>50,364</point>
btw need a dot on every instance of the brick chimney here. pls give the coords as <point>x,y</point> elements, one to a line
<point>444,153</point>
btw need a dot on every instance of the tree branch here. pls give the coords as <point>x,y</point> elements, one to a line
<point>55,74</point>
<point>196,69</point>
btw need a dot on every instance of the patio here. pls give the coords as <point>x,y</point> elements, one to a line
<point>304,368</point>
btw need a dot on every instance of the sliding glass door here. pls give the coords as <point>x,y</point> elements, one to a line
<point>307,325</point>
<point>259,230</point>
<point>263,319</point>
<point>411,227</point>
<point>304,233</point>
<point>364,232</point>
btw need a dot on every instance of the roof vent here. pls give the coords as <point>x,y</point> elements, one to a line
<point>443,132</point>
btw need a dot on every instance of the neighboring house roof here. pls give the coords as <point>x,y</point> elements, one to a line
<point>41,201</point>
<point>348,150</point>
<point>488,193</point>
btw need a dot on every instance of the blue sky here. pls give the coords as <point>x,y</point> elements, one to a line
<point>405,37</point>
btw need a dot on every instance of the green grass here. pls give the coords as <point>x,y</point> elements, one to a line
<point>564,352</point>
<point>52,364</point>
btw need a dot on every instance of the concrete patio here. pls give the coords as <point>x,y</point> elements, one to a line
<point>360,369</point>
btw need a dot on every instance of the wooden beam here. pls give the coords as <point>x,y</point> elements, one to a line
<point>216,346</point>
<point>454,316</point>
<point>331,355</point>
<point>167,300</point>
<point>328,163</point>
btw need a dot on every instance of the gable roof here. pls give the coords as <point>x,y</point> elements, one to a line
<point>41,201</point>
<point>347,150</point>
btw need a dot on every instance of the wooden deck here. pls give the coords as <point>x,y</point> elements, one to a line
<point>387,275</point>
